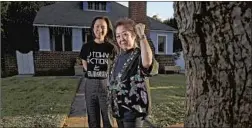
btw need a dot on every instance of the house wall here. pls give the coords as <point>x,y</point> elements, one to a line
<point>108,7</point>
<point>85,5</point>
<point>169,41</point>
<point>44,39</point>
<point>76,39</point>
<point>54,62</point>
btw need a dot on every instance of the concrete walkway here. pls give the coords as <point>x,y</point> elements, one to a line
<point>78,108</point>
<point>78,112</point>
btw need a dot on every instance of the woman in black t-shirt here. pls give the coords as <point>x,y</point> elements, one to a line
<point>96,56</point>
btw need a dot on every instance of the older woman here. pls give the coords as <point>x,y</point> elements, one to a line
<point>129,98</point>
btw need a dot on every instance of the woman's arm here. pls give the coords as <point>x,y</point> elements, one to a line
<point>83,55</point>
<point>146,52</point>
<point>84,63</point>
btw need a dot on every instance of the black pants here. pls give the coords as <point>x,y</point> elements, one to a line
<point>130,121</point>
<point>96,102</point>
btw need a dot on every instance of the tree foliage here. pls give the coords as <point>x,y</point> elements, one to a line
<point>156,18</point>
<point>17,30</point>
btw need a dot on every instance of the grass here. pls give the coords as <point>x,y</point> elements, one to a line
<point>168,96</point>
<point>45,101</point>
<point>36,101</point>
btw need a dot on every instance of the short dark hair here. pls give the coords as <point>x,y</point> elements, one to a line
<point>127,23</point>
<point>130,25</point>
<point>110,34</point>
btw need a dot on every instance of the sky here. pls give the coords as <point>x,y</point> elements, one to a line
<point>164,10</point>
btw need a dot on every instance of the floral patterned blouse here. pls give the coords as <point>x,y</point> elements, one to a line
<point>127,88</point>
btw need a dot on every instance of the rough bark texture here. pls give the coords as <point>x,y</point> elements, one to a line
<point>216,39</point>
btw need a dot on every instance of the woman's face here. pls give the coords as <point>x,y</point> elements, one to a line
<point>100,29</point>
<point>125,38</point>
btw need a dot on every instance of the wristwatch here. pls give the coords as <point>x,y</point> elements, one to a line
<point>142,37</point>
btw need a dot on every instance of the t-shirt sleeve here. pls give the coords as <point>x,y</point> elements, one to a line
<point>114,51</point>
<point>152,70</point>
<point>84,52</point>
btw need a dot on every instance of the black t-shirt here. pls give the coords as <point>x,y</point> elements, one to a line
<point>98,57</point>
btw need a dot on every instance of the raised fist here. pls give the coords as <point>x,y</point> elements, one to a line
<point>140,30</point>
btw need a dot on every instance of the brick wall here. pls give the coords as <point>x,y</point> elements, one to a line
<point>164,60</point>
<point>137,12</point>
<point>54,62</point>
<point>61,63</point>
<point>9,65</point>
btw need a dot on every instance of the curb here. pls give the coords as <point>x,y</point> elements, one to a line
<point>63,122</point>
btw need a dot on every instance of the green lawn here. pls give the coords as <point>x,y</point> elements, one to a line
<point>168,96</point>
<point>45,101</point>
<point>36,101</point>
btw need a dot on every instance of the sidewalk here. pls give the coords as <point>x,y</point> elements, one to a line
<point>78,112</point>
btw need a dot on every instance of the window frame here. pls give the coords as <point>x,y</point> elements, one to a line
<point>165,44</point>
<point>94,5</point>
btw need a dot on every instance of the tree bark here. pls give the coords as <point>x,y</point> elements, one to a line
<point>216,40</point>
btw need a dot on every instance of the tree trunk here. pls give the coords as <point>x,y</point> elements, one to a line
<point>216,39</point>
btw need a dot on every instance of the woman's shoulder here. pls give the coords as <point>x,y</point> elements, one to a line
<point>111,45</point>
<point>88,44</point>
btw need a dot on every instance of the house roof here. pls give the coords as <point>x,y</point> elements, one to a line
<point>71,14</point>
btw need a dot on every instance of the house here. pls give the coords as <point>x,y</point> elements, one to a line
<point>64,27</point>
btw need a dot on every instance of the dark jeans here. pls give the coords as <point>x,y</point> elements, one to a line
<point>96,102</point>
<point>130,121</point>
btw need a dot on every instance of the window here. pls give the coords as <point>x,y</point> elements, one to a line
<point>103,6</point>
<point>61,39</point>
<point>61,42</point>
<point>161,43</point>
<point>68,43</point>
<point>58,42</point>
<point>90,5</point>
<point>86,35</point>
<point>97,6</point>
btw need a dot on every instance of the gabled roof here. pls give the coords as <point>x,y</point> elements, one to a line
<point>72,14</point>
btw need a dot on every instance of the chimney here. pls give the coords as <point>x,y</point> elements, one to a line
<point>137,12</point>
